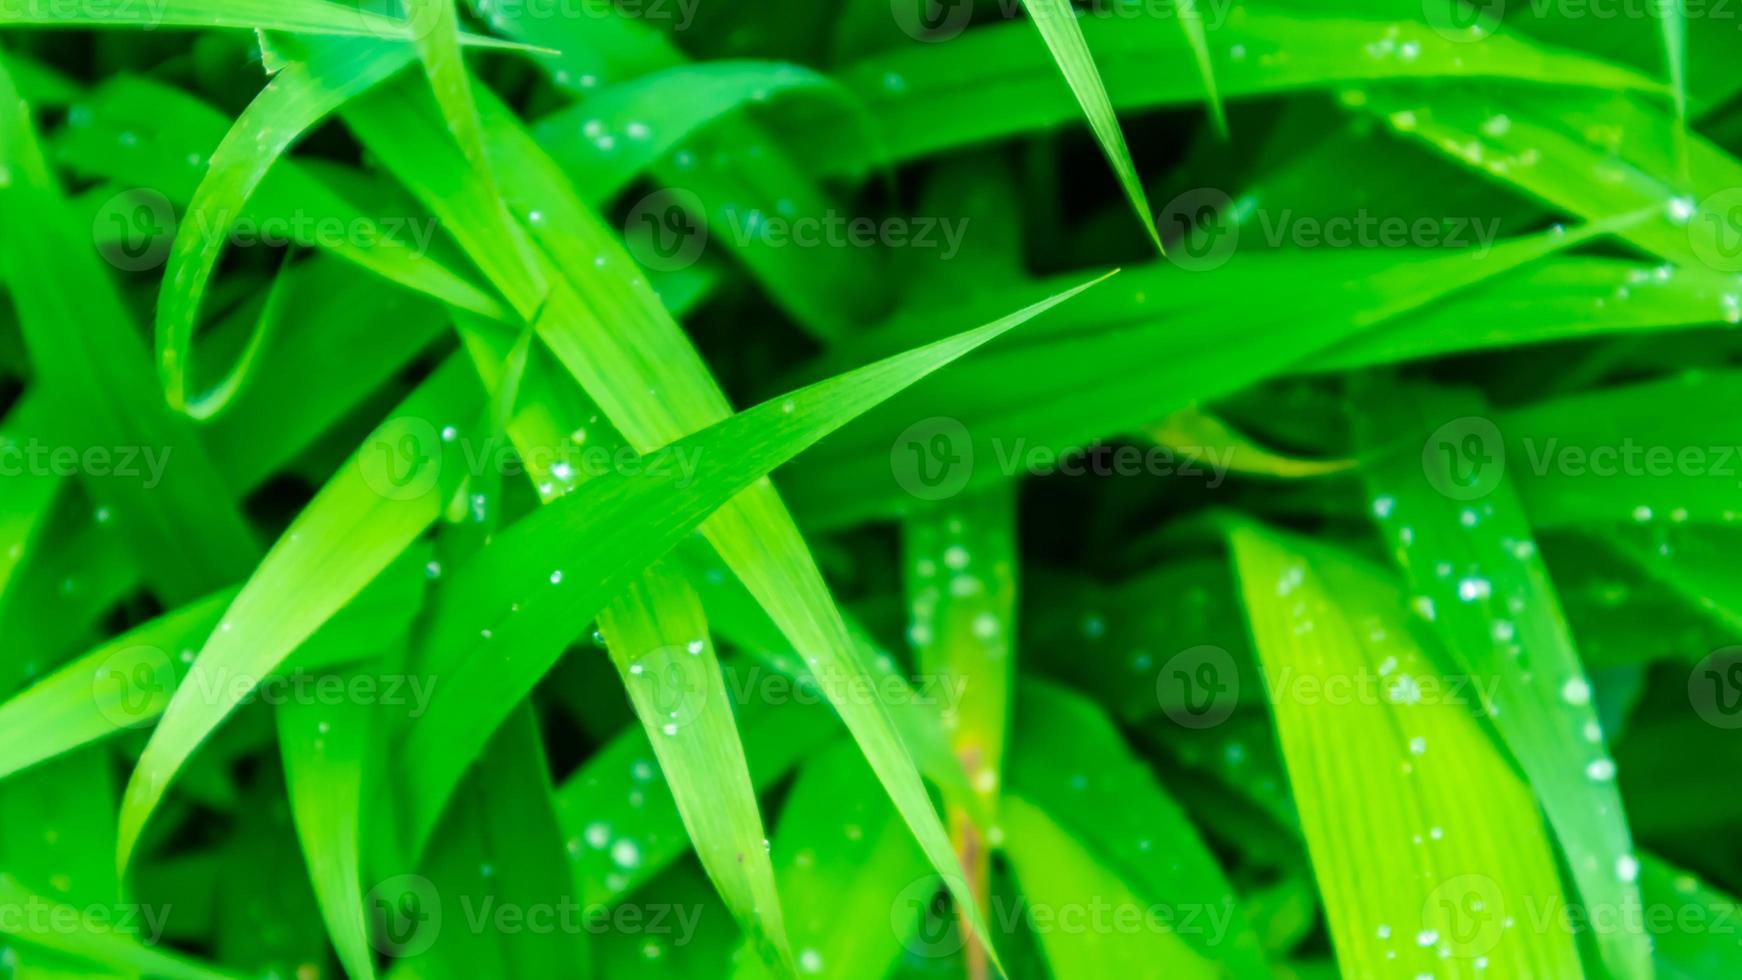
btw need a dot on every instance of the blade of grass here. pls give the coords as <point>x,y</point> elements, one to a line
<point>92,369</point>
<point>642,370</point>
<point>531,569</point>
<point>1418,873</point>
<point>960,571</point>
<point>658,638</point>
<point>290,16</point>
<point>1072,766</point>
<point>1192,23</point>
<point>1057,21</point>
<point>291,104</point>
<point>1057,871</point>
<point>509,261</point>
<point>1473,565</point>
<point>373,508</point>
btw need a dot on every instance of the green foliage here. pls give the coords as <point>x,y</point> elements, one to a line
<point>675,489</point>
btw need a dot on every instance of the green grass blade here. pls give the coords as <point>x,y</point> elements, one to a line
<point>993,83</point>
<point>658,638</point>
<point>92,370</point>
<point>1048,390</point>
<point>373,508</point>
<point>1057,21</point>
<point>1057,871</point>
<point>96,941</point>
<point>617,796</point>
<point>1192,22</point>
<point>290,16</point>
<point>961,581</point>
<point>854,879</point>
<point>1417,872</point>
<point>27,502</point>
<point>508,261</point>
<point>295,100</point>
<point>532,568</point>
<point>1465,544</point>
<point>502,864</point>
<point>1126,825</point>
<point>325,749</point>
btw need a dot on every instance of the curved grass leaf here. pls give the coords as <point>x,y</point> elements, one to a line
<point>373,508</point>
<point>1057,872</point>
<point>292,103</point>
<point>658,638</point>
<point>616,797</point>
<point>1048,391</point>
<point>1076,773</point>
<point>96,941</point>
<point>129,113</point>
<point>1057,21</point>
<point>857,885</point>
<point>527,591</point>
<point>325,753</point>
<point>992,83</point>
<point>960,570</point>
<point>1419,872</point>
<point>1473,566</point>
